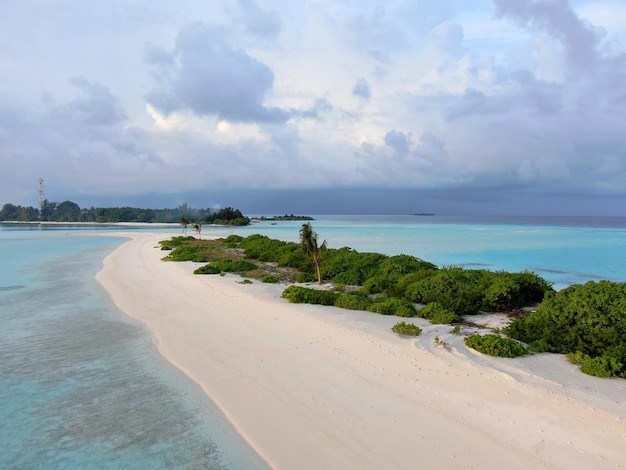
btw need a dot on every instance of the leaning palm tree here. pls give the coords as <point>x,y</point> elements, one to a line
<point>308,240</point>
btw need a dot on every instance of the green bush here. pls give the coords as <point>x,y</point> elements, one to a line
<point>350,267</point>
<point>304,295</point>
<point>501,294</point>
<point>589,318</point>
<point>233,240</point>
<point>194,253</point>
<point>454,289</point>
<point>353,301</point>
<point>610,364</point>
<point>603,366</point>
<point>376,284</point>
<point>438,315</point>
<point>396,266</point>
<point>539,346</point>
<point>408,329</point>
<point>207,269</point>
<point>495,345</point>
<point>305,277</point>
<point>262,248</point>
<point>270,279</point>
<point>392,306</point>
<point>226,266</point>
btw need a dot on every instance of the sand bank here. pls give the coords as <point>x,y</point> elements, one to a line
<point>315,387</point>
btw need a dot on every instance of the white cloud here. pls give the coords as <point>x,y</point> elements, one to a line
<point>324,93</point>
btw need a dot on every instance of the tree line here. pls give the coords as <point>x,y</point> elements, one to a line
<point>68,211</point>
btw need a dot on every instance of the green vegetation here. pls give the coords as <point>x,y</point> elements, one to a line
<point>408,329</point>
<point>226,266</point>
<point>392,306</point>
<point>587,322</point>
<point>389,285</point>
<point>304,295</point>
<point>495,345</point>
<point>69,211</point>
<point>353,301</point>
<point>438,315</point>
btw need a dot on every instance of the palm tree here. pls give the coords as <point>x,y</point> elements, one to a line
<point>308,240</point>
<point>184,221</point>
<point>198,229</point>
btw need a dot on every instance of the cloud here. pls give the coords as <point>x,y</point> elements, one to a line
<point>211,77</point>
<point>526,95</point>
<point>362,89</point>
<point>398,141</point>
<point>556,18</point>
<point>96,106</point>
<point>258,21</point>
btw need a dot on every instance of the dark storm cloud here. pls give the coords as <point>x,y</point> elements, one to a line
<point>211,77</point>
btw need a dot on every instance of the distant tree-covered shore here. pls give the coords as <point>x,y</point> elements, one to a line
<point>68,211</point>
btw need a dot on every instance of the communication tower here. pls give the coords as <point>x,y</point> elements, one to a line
<point>41,199</point>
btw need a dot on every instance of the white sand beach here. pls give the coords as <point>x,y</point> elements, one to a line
<point>314,387</point>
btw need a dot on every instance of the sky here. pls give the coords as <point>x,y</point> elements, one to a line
<point>499,107</point>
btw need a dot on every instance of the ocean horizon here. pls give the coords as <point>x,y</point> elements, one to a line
<point>83,386</point>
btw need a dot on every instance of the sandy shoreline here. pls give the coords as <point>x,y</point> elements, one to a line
<point>314,387</point>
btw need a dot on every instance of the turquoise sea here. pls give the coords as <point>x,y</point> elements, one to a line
<point>82,386</point>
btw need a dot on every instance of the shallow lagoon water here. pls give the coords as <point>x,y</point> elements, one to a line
<point>81,384</point>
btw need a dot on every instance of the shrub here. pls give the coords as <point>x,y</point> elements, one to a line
<point>501,294</point>
<point>304,295</point>
<point>610,364</point>
<point>262,248</point>
<point>350,267</point>
<point>188,253</point>
<point>269,279</point>
<point>454,289</point>
<point>233,240</point>
<point>227,266</point>
<point>589,318</point>
<point>376,284</point>
<point>603,366</point>
<point>305,277</point>
<point>392,306</point>
<point>395,266</point>
<point>353,301</point>
<point>495,345</point>
<point>438,315</point>
<point>408,329</point>
<point>539,346</point>
<point>207,269</point>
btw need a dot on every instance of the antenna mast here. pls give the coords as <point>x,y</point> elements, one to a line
<point>41,199</point>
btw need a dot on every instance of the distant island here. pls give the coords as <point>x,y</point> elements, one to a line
<point>423,213</point>
<point>69,211</point>
<point>285,217</point>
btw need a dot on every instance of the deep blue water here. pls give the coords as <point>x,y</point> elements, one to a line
<point>82,386</point>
